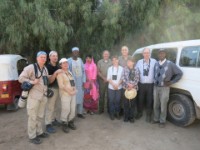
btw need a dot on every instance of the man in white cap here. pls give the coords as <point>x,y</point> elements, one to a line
<point>52,104</point>
<point>37,99</point>
<point>77,68</point>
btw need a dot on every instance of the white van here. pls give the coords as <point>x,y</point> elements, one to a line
<point>184,102</point>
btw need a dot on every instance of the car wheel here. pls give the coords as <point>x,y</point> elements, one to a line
<point>181,110</point>
<point>15,102</point>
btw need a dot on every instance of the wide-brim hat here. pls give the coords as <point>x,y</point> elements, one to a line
<point>130,94</point>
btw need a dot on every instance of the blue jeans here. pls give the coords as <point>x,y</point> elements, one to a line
<point>114,101</point>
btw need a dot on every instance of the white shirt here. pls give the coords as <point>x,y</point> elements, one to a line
<point>114,71</point>
<point>162,62</point>
<point>141,65</point>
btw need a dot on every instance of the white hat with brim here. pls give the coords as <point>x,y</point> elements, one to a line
<point>75,49</point>
<point>63,60</point>
<point>130,94</point>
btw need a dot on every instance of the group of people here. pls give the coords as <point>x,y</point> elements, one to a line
<point>94,88</point>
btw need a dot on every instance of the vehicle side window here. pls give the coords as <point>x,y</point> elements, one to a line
<point>20,65</point>
<point>171,54</point>
<point>137,56</point>
<point>190,57</point>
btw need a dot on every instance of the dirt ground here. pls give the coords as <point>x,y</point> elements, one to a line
<point>98,132</point>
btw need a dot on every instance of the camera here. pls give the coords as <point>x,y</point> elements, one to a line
<point>114,77</point>
<point>23,99</point>
<point>49,93</point>
<point>146,72</point>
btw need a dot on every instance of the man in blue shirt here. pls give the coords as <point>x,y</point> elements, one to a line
<point>145,95</point>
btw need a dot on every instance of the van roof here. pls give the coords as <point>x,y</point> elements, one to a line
<point>172,44</point>
<point>9,58</point>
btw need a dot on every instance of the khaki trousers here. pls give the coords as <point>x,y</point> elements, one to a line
<point>51,108</point>
<point>68,108</point>
<point>35,110</point>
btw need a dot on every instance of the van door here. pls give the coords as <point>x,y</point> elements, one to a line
<point>190,65</point>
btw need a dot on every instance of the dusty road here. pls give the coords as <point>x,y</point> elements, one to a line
<point>98,132</point>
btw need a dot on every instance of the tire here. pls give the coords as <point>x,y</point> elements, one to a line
<point>14,105</point>
<point>15,102</point>
<point>181,111</point>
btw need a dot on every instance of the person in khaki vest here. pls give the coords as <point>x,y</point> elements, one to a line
<point>37,99</point>
<point>67,92</point>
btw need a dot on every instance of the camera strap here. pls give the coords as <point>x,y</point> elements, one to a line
<point>72,83</point>
<point>148,65</point>
<point>36,68</point>
<point>113,70</point>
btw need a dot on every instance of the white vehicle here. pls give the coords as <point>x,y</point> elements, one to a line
<point>184,102</point>
<point>11,66</point>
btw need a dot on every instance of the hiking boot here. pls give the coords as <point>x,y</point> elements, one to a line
<point>112,117</point>
<point>125,120</point>
<point>138,116</point>
<point>148,118</point>
<point>36,140</point>
<point>132,120</point>
<point>118,116</point>
<point>71,125</point>
<point>155,122</point>
<point>50,128</point>
<point>65,127</point>
<point>43,135</point>
<point>80,116</point>
<point>56,123</point>
<point>161,125</point>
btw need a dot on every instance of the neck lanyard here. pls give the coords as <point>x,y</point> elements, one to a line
<point>113,69</point>
<point>148,64</point>
<point>41,70</point>
<point>67,75</point>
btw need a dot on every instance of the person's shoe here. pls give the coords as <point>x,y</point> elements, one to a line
<point>121,113</point>
<point>43,135</point>
<point>80,116</point>
<point>65,127</point>
<point>132,120</point>
<point>117,116</point>
<point>155,122</point>
<point>50,128</point>
<point>36,140</point>
<point>101,112</point>
<point>161,125</point>
<point>138,116</point>
<point>125,120</point>
<point>56,123</point>
<point>71,125</point>
<point>112,117</point>
<point>148,118</point>
<point>91,113</point>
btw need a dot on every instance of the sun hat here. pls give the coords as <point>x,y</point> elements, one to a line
<point>63,60</point>
<point>130,94</point>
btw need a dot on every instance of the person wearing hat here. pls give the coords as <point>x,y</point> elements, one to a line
<point>130,78</point>
<point>52,104</point>
<point>76,67</point>
<point>67,92</point>
<point>145,93</point>
<point>114,76</point>
<point>166,73</point>
<point>37,98</point>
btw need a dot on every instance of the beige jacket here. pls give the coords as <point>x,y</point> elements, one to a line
<point>64,83</point>
<point>28,74</point>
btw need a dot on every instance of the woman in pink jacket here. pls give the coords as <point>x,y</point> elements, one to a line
<point>91,93</point>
